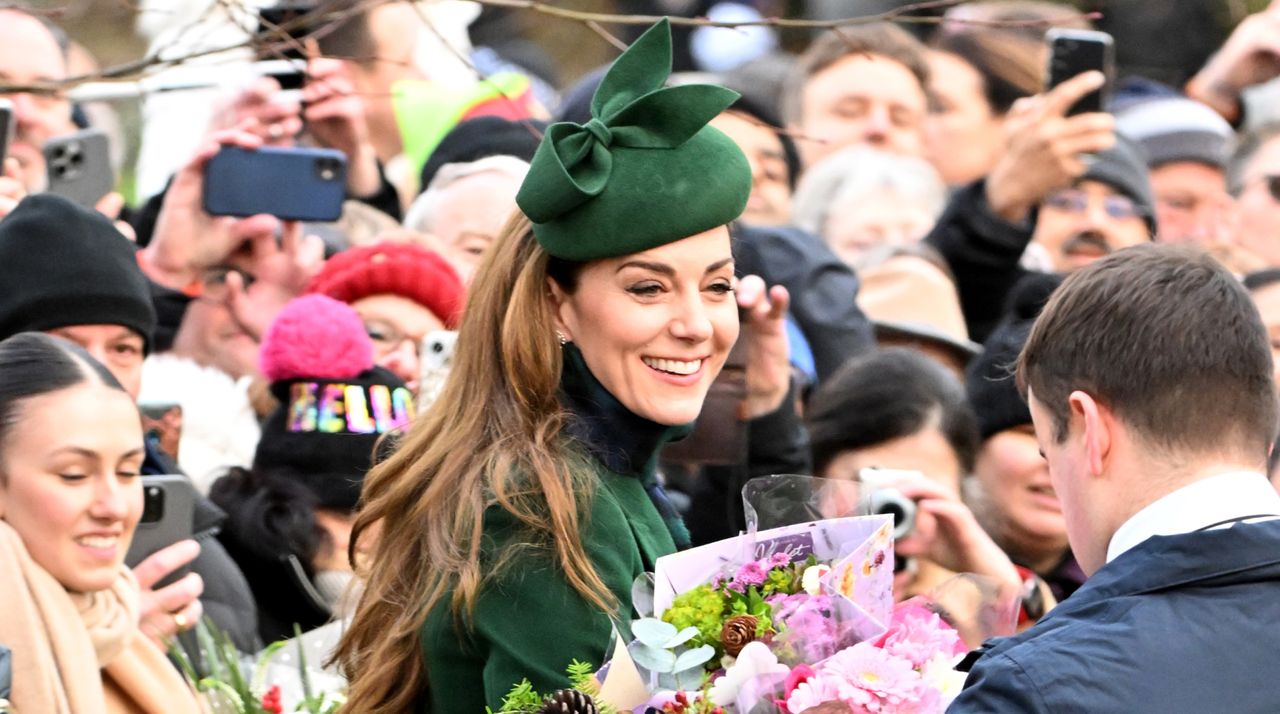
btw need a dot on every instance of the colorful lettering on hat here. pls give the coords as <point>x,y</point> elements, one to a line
<point>302,406</point>
<point>358,419</point>
<point>332,411</point>
<point>348,408</point>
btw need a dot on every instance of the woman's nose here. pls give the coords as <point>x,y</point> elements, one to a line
<point>111,501</point>
<point>692,322</point>
<point>402,361</point>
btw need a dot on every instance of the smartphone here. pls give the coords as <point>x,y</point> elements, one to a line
<point>294,184</point>
<point>79,166</point>
<point>1074,52</point>
<point>168,516</point>
<point>291,74</point>
<point>6,130</point>
<point>288,14</point>
<point>435,359</point>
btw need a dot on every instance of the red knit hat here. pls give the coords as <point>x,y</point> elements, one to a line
<point>403,269</point>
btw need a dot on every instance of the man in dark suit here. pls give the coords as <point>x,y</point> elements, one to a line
<point>1149,380</point>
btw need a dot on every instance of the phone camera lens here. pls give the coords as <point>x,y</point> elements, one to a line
<point>437,348</point>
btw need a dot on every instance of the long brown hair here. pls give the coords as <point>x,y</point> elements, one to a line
<point>494,438</point>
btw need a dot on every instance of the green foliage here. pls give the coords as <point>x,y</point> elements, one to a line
<point>232,687</point>
<point>524,699</point>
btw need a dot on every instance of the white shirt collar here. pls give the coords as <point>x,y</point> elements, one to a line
<point>1202,503</point>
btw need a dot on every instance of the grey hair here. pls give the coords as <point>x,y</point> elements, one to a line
<point>421,215</point>
<point>851,176</point>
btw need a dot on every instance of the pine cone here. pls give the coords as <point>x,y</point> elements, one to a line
<point>568,701</point>
<point>737,633</point>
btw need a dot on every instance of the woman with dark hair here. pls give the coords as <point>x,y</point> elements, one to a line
<point>975,76</point>
<point>507,528</point>
<point>897,409</point>
<point>71,449</point>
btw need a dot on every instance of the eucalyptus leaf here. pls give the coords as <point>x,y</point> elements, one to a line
<point>653,632</point>
<point>654,659</point>
<point>694,658</point>
<point>688,680</point>
<point>681,637</point>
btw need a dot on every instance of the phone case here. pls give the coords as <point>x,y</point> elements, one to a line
<point>79,166</point>
<point>296,184</point>
<point>1074,52</point>
<point>175,523</point>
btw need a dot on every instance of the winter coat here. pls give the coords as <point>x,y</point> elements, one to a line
<point>529,623</point>
<point>1183,623</point>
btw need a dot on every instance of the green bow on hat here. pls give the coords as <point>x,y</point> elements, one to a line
<point>645,171</point>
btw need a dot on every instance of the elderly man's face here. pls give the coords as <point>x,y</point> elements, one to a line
<point>1079,225</point>
<point>1258,205</point>
<point>861,99</point>
<point>1191,202</point>
<point>29,55</point>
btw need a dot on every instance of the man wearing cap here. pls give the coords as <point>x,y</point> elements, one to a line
<point>67,271</point>
<point>1108,208</point>
<point>1186,145</point>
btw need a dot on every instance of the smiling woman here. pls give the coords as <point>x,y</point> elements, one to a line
<point>70,497</point>
<point>592,333</point>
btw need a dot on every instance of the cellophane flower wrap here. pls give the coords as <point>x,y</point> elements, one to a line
<point>795,613</point>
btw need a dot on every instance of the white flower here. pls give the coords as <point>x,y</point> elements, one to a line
<point>811,580</point>
<point>940,674</point>
<point>753,661</point>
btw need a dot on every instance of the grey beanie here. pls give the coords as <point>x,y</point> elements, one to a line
<point>1177,129</point>
<point>1122,167</point>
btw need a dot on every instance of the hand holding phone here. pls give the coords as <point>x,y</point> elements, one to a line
<point>79,166</point>
<point>296,184</point>
<point>1074,52</point>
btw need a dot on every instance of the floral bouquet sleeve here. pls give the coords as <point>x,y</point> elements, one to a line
<point>795,614</point>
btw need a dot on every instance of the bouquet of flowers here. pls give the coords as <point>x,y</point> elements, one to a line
<point>793,617</point>
<point>242,684</point>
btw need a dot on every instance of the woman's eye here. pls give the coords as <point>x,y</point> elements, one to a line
<point>645,289</point>
<point>721,288</point>
<point>72,477</point>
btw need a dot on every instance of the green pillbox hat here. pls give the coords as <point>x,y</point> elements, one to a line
<point>645,171</point>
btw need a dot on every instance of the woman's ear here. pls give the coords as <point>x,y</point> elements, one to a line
<point>561,310</point>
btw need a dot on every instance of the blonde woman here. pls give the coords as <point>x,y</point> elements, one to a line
<point>507,529</point>
<point>70,496</point>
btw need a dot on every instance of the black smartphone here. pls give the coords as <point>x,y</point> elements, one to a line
<point>290,15</point>
<point>6,130</point>
<point>294,184</point>
<point>168,516</point>
<point>1074,52</point>
<point>79,166</point>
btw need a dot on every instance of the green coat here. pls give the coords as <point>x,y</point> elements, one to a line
<point>530,624</point>
<point>533,623</point>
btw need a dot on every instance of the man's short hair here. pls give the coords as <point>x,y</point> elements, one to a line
<point>1166,338</point>
<point>882,39</point>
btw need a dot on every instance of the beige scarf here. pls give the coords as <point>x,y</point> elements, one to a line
<point>80,653</point>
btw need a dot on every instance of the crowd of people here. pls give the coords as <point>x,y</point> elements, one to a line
<point>557,328</point>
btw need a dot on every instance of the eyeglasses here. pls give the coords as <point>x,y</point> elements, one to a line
<point>387,338</point>
<point>1074,201</point>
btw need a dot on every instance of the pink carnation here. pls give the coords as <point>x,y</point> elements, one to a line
<point>315,337</point>
<point>751,573</point>
<point>918,634</point>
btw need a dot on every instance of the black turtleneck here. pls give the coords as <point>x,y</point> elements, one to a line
<point>621,440</point>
